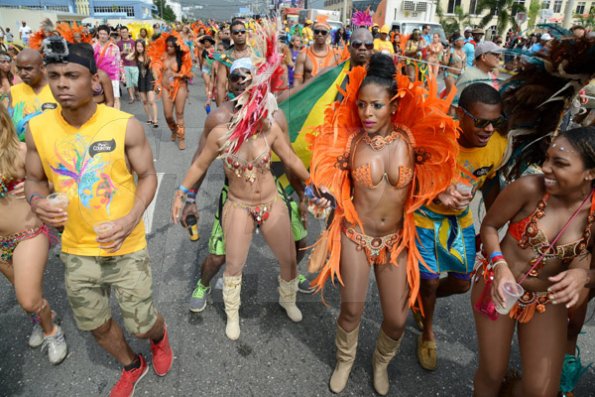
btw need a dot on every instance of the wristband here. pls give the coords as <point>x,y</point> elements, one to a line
<point>184,189</point>
<point>494,254</point>
<point>32,196</point>
<point>191,193</point>
<point>500,262</point>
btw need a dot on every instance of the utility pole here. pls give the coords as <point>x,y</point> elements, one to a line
<point>568,14</point>
<point>345,11</point>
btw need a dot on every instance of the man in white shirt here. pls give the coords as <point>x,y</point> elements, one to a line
<point>24,33</point>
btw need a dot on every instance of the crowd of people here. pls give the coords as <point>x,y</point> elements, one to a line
<point>371,144</point>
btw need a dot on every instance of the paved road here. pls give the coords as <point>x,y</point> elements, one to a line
<point>273,356</point>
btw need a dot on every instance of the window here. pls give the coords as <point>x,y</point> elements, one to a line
<point>128,10</point>
<point>452,4</point>
<point>546,5</point>
<point>473,7</point>
<point>558,6</point>
<point>580,7</point>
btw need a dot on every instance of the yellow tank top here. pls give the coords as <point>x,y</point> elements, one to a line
<point>25,104</point>
<point>89,165</point>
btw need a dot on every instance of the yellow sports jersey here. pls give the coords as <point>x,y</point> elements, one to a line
<point>89,165</point>
<point>383,46</point>
<point>477,165</point>
<point>26,104</point>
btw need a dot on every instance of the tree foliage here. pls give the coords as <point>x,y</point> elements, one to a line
<point>504,12</point>
<point>534,8</point>
<point>453,23</point>
<point>164,11</point>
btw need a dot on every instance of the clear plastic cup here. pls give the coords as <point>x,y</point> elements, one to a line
<point>464,188</point>
<point>103,228</point>
<point>512,293</point>
<point>58,200</point>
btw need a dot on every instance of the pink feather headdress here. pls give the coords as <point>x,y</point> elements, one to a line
<point>361,18</point>
<point>256,105</point>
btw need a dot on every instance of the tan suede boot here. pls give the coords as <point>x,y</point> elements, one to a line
<point>287,293</point>
<point>181,132</point>
<point>346,343</point>
<point>172,127</point>
<point>386,349</point>
<point>232,286</point>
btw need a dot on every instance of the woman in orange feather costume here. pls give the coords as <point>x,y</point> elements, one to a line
<point>382,152</point>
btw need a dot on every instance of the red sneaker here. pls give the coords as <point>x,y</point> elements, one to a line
<point>129,380</point>
<point>163,357</point>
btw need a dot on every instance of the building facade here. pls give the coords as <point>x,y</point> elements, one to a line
<point>552,11</point>
<point>128,9</point>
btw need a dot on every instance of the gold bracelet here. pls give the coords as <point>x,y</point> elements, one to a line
<point>500,262</point>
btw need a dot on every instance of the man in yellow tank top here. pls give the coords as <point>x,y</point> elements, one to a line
<point>33,95</point>
<point>92,156</point>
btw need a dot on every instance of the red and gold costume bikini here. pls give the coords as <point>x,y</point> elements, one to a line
<point>528,235</point>
<point>421,120</point>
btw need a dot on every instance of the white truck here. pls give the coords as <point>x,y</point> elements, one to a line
<point>412,14</point>
<point>334,17</point>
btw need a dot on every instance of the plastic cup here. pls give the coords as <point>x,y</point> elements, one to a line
<point>512,293</point>
<point>103,228</point>
<point>58,200</point>
<point>464,188</point>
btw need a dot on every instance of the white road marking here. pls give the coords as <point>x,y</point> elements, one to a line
<point>150,211</point>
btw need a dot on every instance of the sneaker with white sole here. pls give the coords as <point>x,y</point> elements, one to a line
<point>36,337</point>
<point>56,346</point>
<point>198,301</point>
<point>304,285</point>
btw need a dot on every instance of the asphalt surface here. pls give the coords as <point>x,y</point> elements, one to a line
<point>273,357</point>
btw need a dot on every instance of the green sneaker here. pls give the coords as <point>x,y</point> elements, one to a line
<point>304,285</point>
<point>198,301</point>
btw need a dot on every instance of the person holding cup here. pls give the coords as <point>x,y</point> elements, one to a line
<point>550,219</point>
<point>445,227</point>
<point>100,158</point>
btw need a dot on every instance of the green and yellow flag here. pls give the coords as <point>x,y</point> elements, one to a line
<point>304,110</point>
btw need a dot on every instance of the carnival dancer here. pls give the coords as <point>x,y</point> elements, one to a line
<point>24,244</point>
<point>455,60</point>
<point>445,227</point>
<point>318,56</point>
<point>107,58</point>
<point>535,100</point>
<point>550,219</point>
<point>253,202</point>
<point>99,158</point>
<point>6,77</point>
<point>31,97</point>
<point>171,63</point>
<point>214,261</point>
<point>380,159</point>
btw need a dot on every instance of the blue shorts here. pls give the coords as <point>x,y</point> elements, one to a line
<point>446,244</point>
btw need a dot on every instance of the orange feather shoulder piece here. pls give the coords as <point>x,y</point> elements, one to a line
<point>421,114</point>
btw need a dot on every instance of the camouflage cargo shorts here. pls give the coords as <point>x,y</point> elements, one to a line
<point>90,279</point>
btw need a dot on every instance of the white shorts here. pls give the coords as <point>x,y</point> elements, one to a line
<point>116,87</point>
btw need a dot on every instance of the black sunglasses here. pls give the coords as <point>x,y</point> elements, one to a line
<point>235,77</point>
<point>236,32</point>
<point>319,31</point>
<point>483,123</point>
<point>357,44</point>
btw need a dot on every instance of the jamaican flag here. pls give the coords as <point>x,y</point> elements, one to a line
<point>304,110</point>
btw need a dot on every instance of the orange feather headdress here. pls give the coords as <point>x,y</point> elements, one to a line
<point>433,136</point>
<point>157,52</point>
